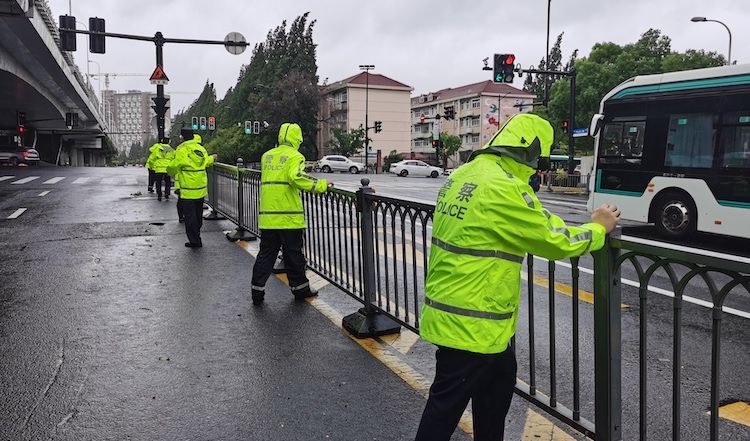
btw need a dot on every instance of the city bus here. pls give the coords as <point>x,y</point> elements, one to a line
<point>673,150</point>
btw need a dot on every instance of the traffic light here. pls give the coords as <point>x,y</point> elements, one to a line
<point>503,68</point>
<point>203,122</point>
<point>195,123</point>
<point>565,124</point>
<point>378,126</point>
<point>211,123</point>
<point>96,42</point>
<point>248,127</point>
<point>256,127</point>
<point>67,39</point>
<point>450,113</point>
<point>21,122</point>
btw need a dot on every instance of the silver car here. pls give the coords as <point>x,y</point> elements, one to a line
<point>332,163</point>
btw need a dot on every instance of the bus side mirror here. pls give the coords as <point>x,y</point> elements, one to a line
<point>596,124</point>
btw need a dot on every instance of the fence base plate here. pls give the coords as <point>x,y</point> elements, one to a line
<point>212,215</point>
<point>241,234</point>
<point>364,325</point>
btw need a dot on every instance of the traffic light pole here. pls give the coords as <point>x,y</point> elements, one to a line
<point>572,108</point>
<point>160,102</point>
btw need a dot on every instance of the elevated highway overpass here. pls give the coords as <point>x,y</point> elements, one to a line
<point>37,78</point>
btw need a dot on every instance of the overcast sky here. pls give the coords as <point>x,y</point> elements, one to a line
<point>428,45</point>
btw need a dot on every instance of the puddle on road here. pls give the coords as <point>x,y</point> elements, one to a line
<point>158,224</point>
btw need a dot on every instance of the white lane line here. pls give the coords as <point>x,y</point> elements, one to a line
<point>25,180</point>
<point>54,180</point>
<point>44,193</point>
<point>566,204</point>
<point>16,213</point>
<point>661,291</point>
<point>5,178</point>
<point>81,180</point>
<point>684,249</point>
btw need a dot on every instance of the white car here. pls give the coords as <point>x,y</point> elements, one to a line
<point>411,167</point>
<point>332,163</point>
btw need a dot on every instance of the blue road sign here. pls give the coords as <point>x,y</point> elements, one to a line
<point>577,133</point>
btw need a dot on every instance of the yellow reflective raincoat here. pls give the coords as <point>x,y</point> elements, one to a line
<point>189,169</point>
<point>282,177</point>
<point>487,219</point>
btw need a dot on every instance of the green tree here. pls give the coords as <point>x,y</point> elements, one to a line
<point>231,143</point>
<point>347,144</point>
<point>450,145</point>
<point>535,83</point>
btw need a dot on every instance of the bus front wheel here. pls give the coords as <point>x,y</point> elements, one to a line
<point>675,215</point>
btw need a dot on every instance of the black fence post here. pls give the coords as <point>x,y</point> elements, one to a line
<point>607,345</point>
<point>240,233</point>
<point>213,196</point>
<point>368,321</point>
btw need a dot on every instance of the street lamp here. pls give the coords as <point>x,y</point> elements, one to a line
<point>704,19</point>
<point>367,68</point>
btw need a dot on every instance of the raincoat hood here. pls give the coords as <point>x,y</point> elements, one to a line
<point>290,134</point>
<point>519,144</point>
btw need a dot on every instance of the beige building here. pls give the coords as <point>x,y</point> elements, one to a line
<point>342,105</point>
<point>130,117</point>
<point>480,109</point>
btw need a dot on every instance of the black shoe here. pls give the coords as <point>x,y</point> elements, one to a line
<point>150,190</point>
<point>305,294</point>
<point>193,245</point>
<point>158,198</point>
<point>166,197</point>
<point>258,297</point>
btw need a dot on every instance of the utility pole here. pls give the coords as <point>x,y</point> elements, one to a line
<point>367,68</point>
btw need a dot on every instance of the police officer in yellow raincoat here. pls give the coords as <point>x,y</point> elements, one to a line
<point>282,219</point>
<point>160,157</point>
<point>487,219</point>
<point>189,168</point>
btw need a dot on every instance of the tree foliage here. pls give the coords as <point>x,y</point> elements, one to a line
<point>347,144</point>
<point>279,84</point>
<point>450,145</point>
<point>608,65</point>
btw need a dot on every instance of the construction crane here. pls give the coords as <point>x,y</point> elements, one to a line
<point>106,76</point>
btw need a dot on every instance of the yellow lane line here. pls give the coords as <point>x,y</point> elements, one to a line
<point>539,428</point>
<point>738,412</point>
<point>564,289</point>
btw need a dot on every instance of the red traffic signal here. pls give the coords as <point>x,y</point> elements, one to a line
<point>510,59</point>
<point>565,125</point>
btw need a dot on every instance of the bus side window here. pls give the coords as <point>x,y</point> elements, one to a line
<point>612,139</point>
<point>735,139</point>
<point>690,142</point>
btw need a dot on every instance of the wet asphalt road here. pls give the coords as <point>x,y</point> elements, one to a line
<point>111,329</point>
<point>93,332</point>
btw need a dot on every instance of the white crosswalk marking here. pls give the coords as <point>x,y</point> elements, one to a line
<point>5,178</point>
<point>16,213</point>
<point>54,180</point>
<point>131,181</point>
<point>109,181</point>
<point>81,180</point>
<point>44,193</point>
<point>25,180</point>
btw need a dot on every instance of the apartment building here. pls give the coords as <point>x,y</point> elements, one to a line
<point>130,117</point>
<point>480,109</point>
<point>343,106</point>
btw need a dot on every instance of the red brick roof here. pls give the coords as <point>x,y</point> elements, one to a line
<point>374,80</point>
<point>484,87</point>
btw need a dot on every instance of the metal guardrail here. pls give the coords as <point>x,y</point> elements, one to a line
<point>551,180</point>
<point>376,249</point>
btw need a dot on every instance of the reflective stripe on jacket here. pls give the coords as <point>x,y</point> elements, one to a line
<point>189,168</point>
<point>486,220</point>
<point>282,177</point>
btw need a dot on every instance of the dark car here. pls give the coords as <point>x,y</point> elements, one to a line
<point>14,155</point>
